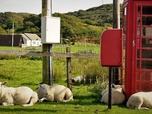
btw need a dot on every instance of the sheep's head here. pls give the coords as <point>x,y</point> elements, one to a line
<point>2,86</point>
<point>117,87</point>
<point>43,90</point>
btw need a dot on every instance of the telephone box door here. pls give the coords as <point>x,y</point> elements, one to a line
<point>143,46</point>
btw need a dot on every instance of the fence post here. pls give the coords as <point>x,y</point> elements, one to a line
<point>69,69</point>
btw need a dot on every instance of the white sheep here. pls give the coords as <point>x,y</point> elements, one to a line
<point>24,96</point>
<point>57,93</point>
<point>117,97</point>
<point>78,79</point>
<point>140,100</point>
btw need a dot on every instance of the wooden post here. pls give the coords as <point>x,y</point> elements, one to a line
<point>116,14</point>
<point>69,69</point>
<point>116,24</point>
<point>47,60</point>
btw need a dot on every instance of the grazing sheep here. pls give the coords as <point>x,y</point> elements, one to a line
<point>57,93</point>
<point>24,96</point>
<point>118,96</point>
<point>140,100</point>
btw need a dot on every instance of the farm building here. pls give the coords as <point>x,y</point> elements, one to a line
<point>23,40</point>
<point>6,40</point>
<point>31,39</point>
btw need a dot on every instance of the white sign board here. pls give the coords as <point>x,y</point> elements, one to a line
<point>50,30</point>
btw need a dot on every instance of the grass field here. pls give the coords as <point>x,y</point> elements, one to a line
<point>19,72</point>
<point>95,48</point>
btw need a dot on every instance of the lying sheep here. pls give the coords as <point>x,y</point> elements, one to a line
<point>78,79</point>
<point>117,97</point>
<point>57,93</point>
<point>24,96</point>
<point>140,100</point>
<point>114,87</point>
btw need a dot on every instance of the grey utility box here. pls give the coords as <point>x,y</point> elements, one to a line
<point>50,30</point>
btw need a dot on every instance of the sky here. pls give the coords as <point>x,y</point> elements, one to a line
<point>61,6</point>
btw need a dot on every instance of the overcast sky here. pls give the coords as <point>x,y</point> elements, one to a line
<point>61,6</point>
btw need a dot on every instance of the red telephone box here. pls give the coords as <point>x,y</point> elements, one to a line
<point>137,29</point>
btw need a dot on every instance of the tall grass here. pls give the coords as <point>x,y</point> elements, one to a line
<point>90,68</point>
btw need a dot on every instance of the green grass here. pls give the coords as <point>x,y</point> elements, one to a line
<point>84,102</point>
<point>21,72</point>
<point>59,48</point>
<point>18,72</point>
<point>78,47</point>
<point>28,72</point>
<point>20,49</point>
<point>59,108</point>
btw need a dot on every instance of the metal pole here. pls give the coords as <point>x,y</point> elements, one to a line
<point>110,82</point>
<point>113,71</point>
<point>118,14</point>
<point>47,60</point>
<point>12,35</point>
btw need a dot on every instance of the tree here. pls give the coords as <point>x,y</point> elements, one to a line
<point>32,24</point>
<point>2,31</point>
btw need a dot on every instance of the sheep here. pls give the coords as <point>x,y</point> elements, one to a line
<point>118,96</point>
<point>140,100</point>
<point>56,93</point>
<point>23,95</point>
<point>78,79</point>
<point>114,87</point>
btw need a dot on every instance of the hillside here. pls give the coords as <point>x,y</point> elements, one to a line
<point>75,26</point>
<point>98,16</point>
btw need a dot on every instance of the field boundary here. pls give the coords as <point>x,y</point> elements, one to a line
<point>54,54</point>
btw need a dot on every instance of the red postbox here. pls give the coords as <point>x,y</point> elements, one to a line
<point>111,47</point>
<point>137,29</point>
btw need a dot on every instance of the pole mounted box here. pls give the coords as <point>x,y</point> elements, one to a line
<point>50,30</point>
<point>111,47</point>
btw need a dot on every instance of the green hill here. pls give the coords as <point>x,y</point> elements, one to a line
<point>98,16</point>
<point>75,26</point>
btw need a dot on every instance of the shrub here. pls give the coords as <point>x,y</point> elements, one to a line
<point>94,72</point>
<point>7,57</point>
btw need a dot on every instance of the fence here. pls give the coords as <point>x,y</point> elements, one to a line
<point>66,55</point>
<point>54,54</point>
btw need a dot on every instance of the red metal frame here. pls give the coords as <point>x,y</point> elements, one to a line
<point>137,76</point>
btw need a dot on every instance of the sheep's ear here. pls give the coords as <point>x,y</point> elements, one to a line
<point>41,83</point>
<point>113,86</point>
<point>4,83</point>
